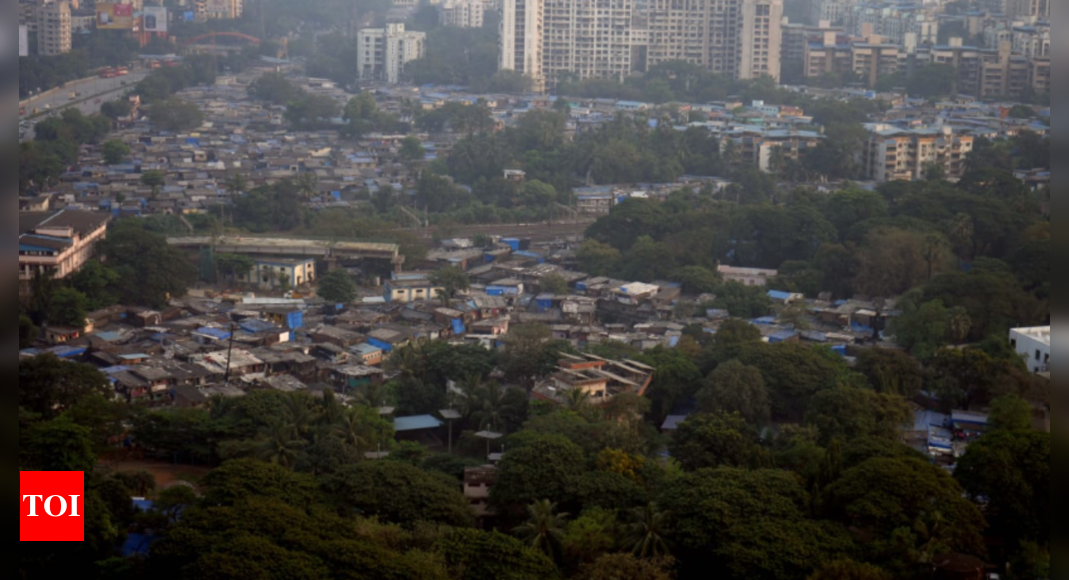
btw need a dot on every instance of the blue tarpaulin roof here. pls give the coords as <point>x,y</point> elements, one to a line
<point>417,423</point>
<point>214,333</point>
<point>254,326</point>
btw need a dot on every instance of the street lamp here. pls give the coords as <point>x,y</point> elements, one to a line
<point>450,415</point>
<point>489,436</point>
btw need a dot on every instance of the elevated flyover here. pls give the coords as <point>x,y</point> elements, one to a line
<point>291,247</point>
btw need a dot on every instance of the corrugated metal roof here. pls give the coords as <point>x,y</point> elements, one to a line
<point>417,423</point>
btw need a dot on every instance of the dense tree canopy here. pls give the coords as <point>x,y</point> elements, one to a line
<point>150,271</point>
<point>398,493</point>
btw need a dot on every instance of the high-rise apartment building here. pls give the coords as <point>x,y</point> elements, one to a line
<point>832,11</point>
<point>522,30</point>
<point>915,23</point>
<point>1028,9</point>
<point>762,36</point>
<point>986,72</point>
<point>224,9</point>
<point>382,53</point>
<point>54,29</point>
<point>865,59</point>
<point>588,39</point>
<point>891,153</point>
<point>796,37</point>
<point>28,16</point>
<point>463,13</point>
<point>739,38</point>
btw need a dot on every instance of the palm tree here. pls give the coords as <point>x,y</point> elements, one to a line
<point>308,185</point>
<point>235,185</point>
<point>372,396</point>
<point>931,529</point>
<point>578,402</point>
<point>330,410</point>
<point>493,406</point>
<point>408,361</point>
<point>545,528</point>
<point>962,230</point>
<point>300,413</point>
<point>353,431</point>
<point>647,531</point>
<point>279,444</point>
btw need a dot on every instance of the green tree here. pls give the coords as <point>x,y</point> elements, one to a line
<point>59,445</point>
<point>176,115</point>
<point>398,493</point>
<point>751,523</point>
<point>337,287</point>
<point>713,440</point>
<point>274,88</point>
<point>598,259</point>
<point>736,388</point>
<point>589,537</point>
<point>452,280</point>
<point>97,282</point>
<point>234,266</point>
<point>742,301</point>
<point>647,532</point>
<point>235,482</point>
<point>627,567</point>
<point>116,109</point>
<point>891,372</point>
<point>922,327</point>
<point>794,373</point>
<point>1010,413</point>
<point>69,308</point>
<point>848,413</point>
<point>608,490</point>
<point>1010,471</point>
<point>154,179</point>
<point>115,151</point>
<point>544,530</point>
<point>697,280</point>
<point>849,570</point>
<point>894,261</point>
<point>545,469</point>
<point>882,495</point>
<point>530,353</point>
<point>150,270</point>
<point>27,332</point>
<point>48,386</point>
<point>475,555</point>
<point>411,150</point>
<point>849,207</point>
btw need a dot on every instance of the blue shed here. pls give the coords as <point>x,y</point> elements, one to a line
<point>513,243</point>
<point>295,320</point>
<point>214,333</point>
<point>385,346</point>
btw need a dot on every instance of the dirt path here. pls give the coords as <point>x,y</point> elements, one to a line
<point>165,473</point>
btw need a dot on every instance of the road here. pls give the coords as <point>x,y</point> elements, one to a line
<point>90,89</point>
<point>535,232</point>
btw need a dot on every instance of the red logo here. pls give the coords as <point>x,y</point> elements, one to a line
<point>53,506</point>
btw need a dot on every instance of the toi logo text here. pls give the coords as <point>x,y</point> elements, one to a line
<point>52,506</point>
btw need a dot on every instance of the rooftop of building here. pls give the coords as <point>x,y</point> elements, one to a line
<point>1040,333</point>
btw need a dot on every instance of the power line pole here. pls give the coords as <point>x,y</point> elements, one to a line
<point>229,353</point>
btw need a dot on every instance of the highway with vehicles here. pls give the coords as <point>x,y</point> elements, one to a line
<point>88,95</point>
